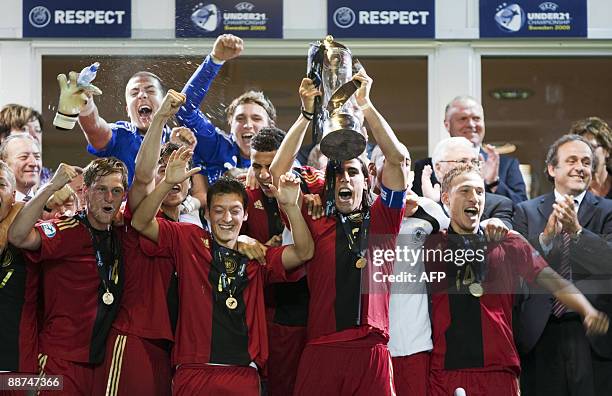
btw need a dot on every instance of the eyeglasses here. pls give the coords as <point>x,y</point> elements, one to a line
<point>475,162</point>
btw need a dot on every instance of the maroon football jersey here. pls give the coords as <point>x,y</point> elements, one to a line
<point>75,320</point>
<point>341,307</point>
<point>208,331</point>
<point>485,324</point>
<point>148,291</point>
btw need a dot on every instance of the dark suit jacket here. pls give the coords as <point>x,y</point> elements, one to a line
<point>590,259</point>
<point>499,207</point>
<point>511,182</point>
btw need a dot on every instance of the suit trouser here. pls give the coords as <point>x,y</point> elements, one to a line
<point>560,362</point>
<point>602,373</point>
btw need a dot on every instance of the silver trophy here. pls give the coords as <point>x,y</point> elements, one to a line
<point>331,66</point>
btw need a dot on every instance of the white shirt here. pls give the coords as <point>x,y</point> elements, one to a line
<point>20,196</point>
<point>546,248</point>
<point>409,324</point>
<point>578,198</point>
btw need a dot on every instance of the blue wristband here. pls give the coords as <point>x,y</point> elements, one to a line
<point>392,199</point>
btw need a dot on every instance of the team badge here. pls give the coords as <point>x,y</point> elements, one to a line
<point>205,242</point>
<point>258,205</point>
<point>230,265</point>
<point>48,229</point>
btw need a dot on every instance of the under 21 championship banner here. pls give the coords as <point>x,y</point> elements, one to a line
<point>533,18</point>
<point>210,18</point>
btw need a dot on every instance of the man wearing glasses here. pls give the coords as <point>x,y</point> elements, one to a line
<point>464,117</point>
<point>454,151</point>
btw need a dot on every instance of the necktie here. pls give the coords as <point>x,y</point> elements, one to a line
<point>565,270</point>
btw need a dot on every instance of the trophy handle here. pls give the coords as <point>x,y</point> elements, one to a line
<point>314,72</point>
<point>342,95</point>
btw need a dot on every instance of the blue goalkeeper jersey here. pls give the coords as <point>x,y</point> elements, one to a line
<point>215,152</point>
<point>124,145</point>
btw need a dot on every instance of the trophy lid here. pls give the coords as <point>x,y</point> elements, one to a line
<point>330,43</point>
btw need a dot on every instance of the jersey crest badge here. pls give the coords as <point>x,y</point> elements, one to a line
<point>48,229</point>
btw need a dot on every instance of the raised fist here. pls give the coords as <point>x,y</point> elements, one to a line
<point>62,176</point>
<point>171,104</point>
<point>226,47</point>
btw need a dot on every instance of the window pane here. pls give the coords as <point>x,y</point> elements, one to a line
<point>562,91</point>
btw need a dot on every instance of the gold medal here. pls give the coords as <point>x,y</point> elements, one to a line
<point>107,298</point>
<point>231,303</point>
<point>361,262</point>
<point>476,289</point>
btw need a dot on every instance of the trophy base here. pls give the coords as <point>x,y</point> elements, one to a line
<point>343,144</point>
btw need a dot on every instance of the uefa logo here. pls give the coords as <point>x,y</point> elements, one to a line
<point>510,18</point>
<point>548,6</point>
<point>206,18</point>
<point>344,17</point>
<point>39,16</point>
<point>245,6</point>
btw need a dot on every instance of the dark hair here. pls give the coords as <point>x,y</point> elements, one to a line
<point>596,127</point>
<point>14,117</point>
<point>166,150</point>
<point>268,139</point>
<point>155,77</point>
<point>552,156</point>
<point>460,170</point>
<point>331,171</point>
<point>256,97</point>
<point>101,167</point>
<point>226,185</point>
<point>38,116</point>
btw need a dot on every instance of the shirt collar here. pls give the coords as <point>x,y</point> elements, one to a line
<point>578,198</point>
<point>19,196</point>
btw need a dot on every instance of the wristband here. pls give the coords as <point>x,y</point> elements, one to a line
<point>65,122</point>
<point>308,115</point>
<point>365,106</point>
<point>215,60</point>
<point>492,184</point>
<point>392,199</point>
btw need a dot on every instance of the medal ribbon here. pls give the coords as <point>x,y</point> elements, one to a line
<point>275,225</point>
<point>356,249</point>
<point>219,252</point>
<point>359,248</point>
<point>107,271</point>
<point>475,271</point>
